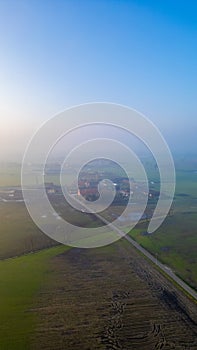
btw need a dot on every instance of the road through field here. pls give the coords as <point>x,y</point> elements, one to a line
<point>152,258</point>
<point>111,298</point>
<point>155,260</point>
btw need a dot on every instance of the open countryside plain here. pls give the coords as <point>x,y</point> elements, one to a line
<point>106,298</point>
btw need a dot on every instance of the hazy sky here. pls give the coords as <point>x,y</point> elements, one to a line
<point>56,54</point>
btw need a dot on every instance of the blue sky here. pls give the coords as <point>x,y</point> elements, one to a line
<point>56,54</point>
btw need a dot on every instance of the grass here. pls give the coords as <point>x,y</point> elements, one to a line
<point>18,233</point>
<point>175,243</point>
<point>21,278</point>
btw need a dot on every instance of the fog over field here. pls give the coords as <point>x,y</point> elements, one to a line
<point>98,175</point>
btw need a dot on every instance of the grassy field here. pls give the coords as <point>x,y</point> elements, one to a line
<point>18,233</point>
<point>173,246</point>
<point>21,279</point>
<point>175,242</point>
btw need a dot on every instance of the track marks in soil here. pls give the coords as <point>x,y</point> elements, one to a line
<point>112,300</point>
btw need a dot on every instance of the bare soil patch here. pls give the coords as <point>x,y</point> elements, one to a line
<point>109,299</point>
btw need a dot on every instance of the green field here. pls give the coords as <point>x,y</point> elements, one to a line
<point>21,279</point>
<point>174,243</point>
<point>18,233</point>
